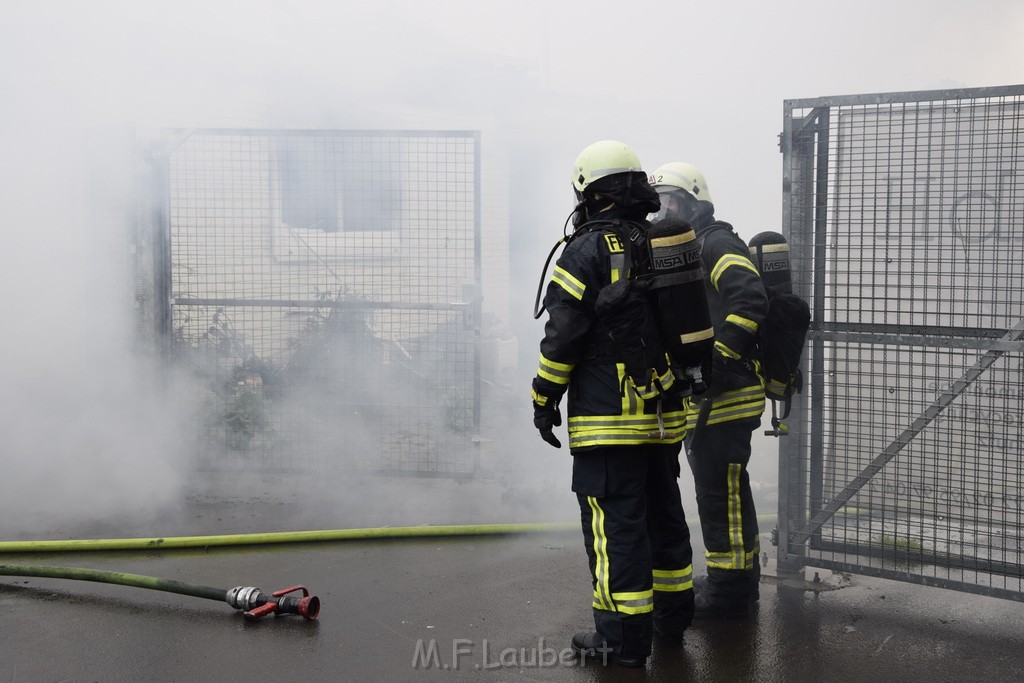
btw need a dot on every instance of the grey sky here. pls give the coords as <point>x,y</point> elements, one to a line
<point>702,82</point>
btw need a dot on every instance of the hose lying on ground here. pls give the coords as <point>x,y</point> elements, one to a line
<point>280,537</point>
<point>252,601</point>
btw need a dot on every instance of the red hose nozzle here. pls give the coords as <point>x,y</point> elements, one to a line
<point>258,604</point>
<point>307,606</point>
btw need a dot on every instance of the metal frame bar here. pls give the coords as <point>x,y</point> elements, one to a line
<point>161,247</point>
<point>945,561</point>
<point>841,330</point>
<point>796,226</point>
<point>802,216</point>
<point>311,303</point>
<point>920,579</point>
<point>820,133</point>
<point>175,137</point>
<point>981,343</point>
<point>477,304</point>
<point>905,97</point>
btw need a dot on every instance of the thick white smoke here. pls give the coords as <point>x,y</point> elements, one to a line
<point>86,434</point>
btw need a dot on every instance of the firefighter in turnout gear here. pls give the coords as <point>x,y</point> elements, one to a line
<point>625,437</point>
<point>724,419</point>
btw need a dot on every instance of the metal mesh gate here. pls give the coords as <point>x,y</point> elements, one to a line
<point>323,288</point>
<point>905,214</point>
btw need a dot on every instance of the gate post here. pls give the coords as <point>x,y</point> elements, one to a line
<point>798,213</point>
<point>153,255</point>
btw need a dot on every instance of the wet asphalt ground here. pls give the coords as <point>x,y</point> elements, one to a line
<point>483,608</point>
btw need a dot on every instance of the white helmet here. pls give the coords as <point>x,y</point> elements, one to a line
<point>683,176</point>
<point>603,159</point>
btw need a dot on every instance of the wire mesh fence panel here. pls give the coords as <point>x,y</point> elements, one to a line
<point>906,218</point>
<point>323,290</point>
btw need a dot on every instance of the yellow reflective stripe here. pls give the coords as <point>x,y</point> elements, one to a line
<point>539,399</point>
<point>746,556</point>
<point>736,413</point>
<point>602,585</point>
<point>632,404</point>
<point>554,365</point>
<point>639,602</point>
<point>721,565</point>
<point>554,372</point>
<point>735,514</point>
<point>672,573</point>
<point>739,401</point>
<point>646,393</point>
<point>666,380</point>
<point>582,440</point>
<point>726,560</point>
<point>674,587</point>
<point>673,580</point>
<point>672,240</point>
<point>748,396</point>
<point>642,433</point>
<point>627,421</point>
<point>552,378</point>
<point>728,261</point>
<point>626,430</point>
<point>568,282</point>
<point>700,335</point>
<point>618,265</point>
<point>726,351</point>
<point>735,557</point>
<point>745,323</point>
<point>739,395</point>
<point>749,560</point>
<point>638,433</point>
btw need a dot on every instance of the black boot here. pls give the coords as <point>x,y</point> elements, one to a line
<point>673,613</point>
<point>727,598</point>
<point>591,646</point>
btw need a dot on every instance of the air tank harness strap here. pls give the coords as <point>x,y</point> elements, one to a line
<point>598,353</point>
<point>658,393</point>
<point>671,279</point>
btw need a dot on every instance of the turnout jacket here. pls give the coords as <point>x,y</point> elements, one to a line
<point>577,356</point>
<point>739,307</point>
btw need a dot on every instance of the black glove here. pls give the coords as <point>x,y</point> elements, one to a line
<point>545,418</point>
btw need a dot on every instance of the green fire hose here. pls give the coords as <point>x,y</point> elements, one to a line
<point>280,537</point>
<point>254,602</point>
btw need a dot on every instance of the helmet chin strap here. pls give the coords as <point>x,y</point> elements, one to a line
<point>578,216</point>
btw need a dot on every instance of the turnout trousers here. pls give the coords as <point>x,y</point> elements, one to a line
<point>725,504</point>
<point>637,543</point>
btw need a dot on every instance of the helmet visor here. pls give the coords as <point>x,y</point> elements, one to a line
<point>671,203</point>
